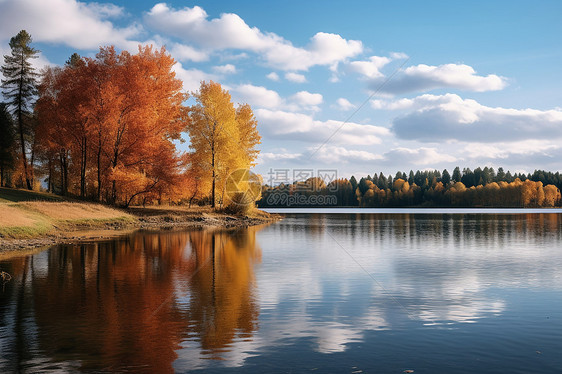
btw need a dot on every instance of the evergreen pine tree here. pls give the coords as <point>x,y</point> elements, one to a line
<point>446,177</point>
<point>7,143</point>
<point>20,89</point>
<point>500,176</point>
<point>457,175</point>
<point>411,177</point>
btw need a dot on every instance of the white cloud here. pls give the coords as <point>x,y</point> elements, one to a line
<point>225,69</point>
<point>191,24</point>
<point>344,104</point>
<point>398,56</point>
<point>191,77</point>
<point>422,78</point>
<point>418,102</point>
<point>543,156</point>
<point>307,99</point>
<point>502,150</point>
<point>226,56</point>
<point>258,96</point>
<point>273,76</point>
<point>449,117</point>
<point>370,68</point>
<point>418,156</point>
<point>295,77</point>
<point>107,10</point>
<point>261,97</point>
<point>302,127</point>
<point>334,78</point>
<point>334,154</point>
<point>229,31</point>
<point>182,52</point>
<point>271,156</point>
<point>324,49</point>
<point>78,25</point>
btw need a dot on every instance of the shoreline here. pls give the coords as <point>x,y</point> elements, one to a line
<point>415,210</point>
<point>151,218</point>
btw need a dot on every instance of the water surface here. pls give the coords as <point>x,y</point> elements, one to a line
<point>348,292</point>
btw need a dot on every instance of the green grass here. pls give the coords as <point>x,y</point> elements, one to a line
<point>40,227</point>
<point>13,195</point>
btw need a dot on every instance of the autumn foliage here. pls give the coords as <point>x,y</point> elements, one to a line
<point>503,194</point>
<point>223,138</point>
<point>110,121</point>
<point>380,191</point>
<point>108,125</point>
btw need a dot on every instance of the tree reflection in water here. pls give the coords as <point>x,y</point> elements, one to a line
<point>131,303</point>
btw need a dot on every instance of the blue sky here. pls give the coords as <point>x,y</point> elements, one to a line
<point>442,83</point>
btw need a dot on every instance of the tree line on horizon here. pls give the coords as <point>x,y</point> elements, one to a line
<point>107,128</point>
<point>481,187</point>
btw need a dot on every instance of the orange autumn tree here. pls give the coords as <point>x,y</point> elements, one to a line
<point>64,120</point>
<point>223,138</point>
<point>147,120</point>
<point>114,118</point>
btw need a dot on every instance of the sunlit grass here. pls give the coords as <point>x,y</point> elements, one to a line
<point>37,214</point>
<point>16,222</point>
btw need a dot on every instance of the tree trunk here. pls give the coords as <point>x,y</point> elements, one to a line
<point>23,155</point>
<point>63,172</point>
<point>99,168</point>
<point>83,167</point>
<point>214,176</point>
<point>114,182</point>
<point>213,193</point>
<point>194,193</point>
<point>113,192</point>
<point>32,163</point>
<point>50,180</point>
<point>22,140</point>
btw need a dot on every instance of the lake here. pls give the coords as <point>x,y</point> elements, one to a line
<point>449,291</point>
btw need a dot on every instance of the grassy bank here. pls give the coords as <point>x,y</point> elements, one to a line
<point>28,214</point>
<point>31,219</point>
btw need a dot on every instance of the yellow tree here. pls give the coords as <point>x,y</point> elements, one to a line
<point>551,195</point>
<point>223,139</point>
<point>249,136</point>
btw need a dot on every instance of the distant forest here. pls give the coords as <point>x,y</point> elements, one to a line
<point>483,187</point>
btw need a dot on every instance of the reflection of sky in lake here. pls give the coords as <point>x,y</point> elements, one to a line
<point>425,272</point>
